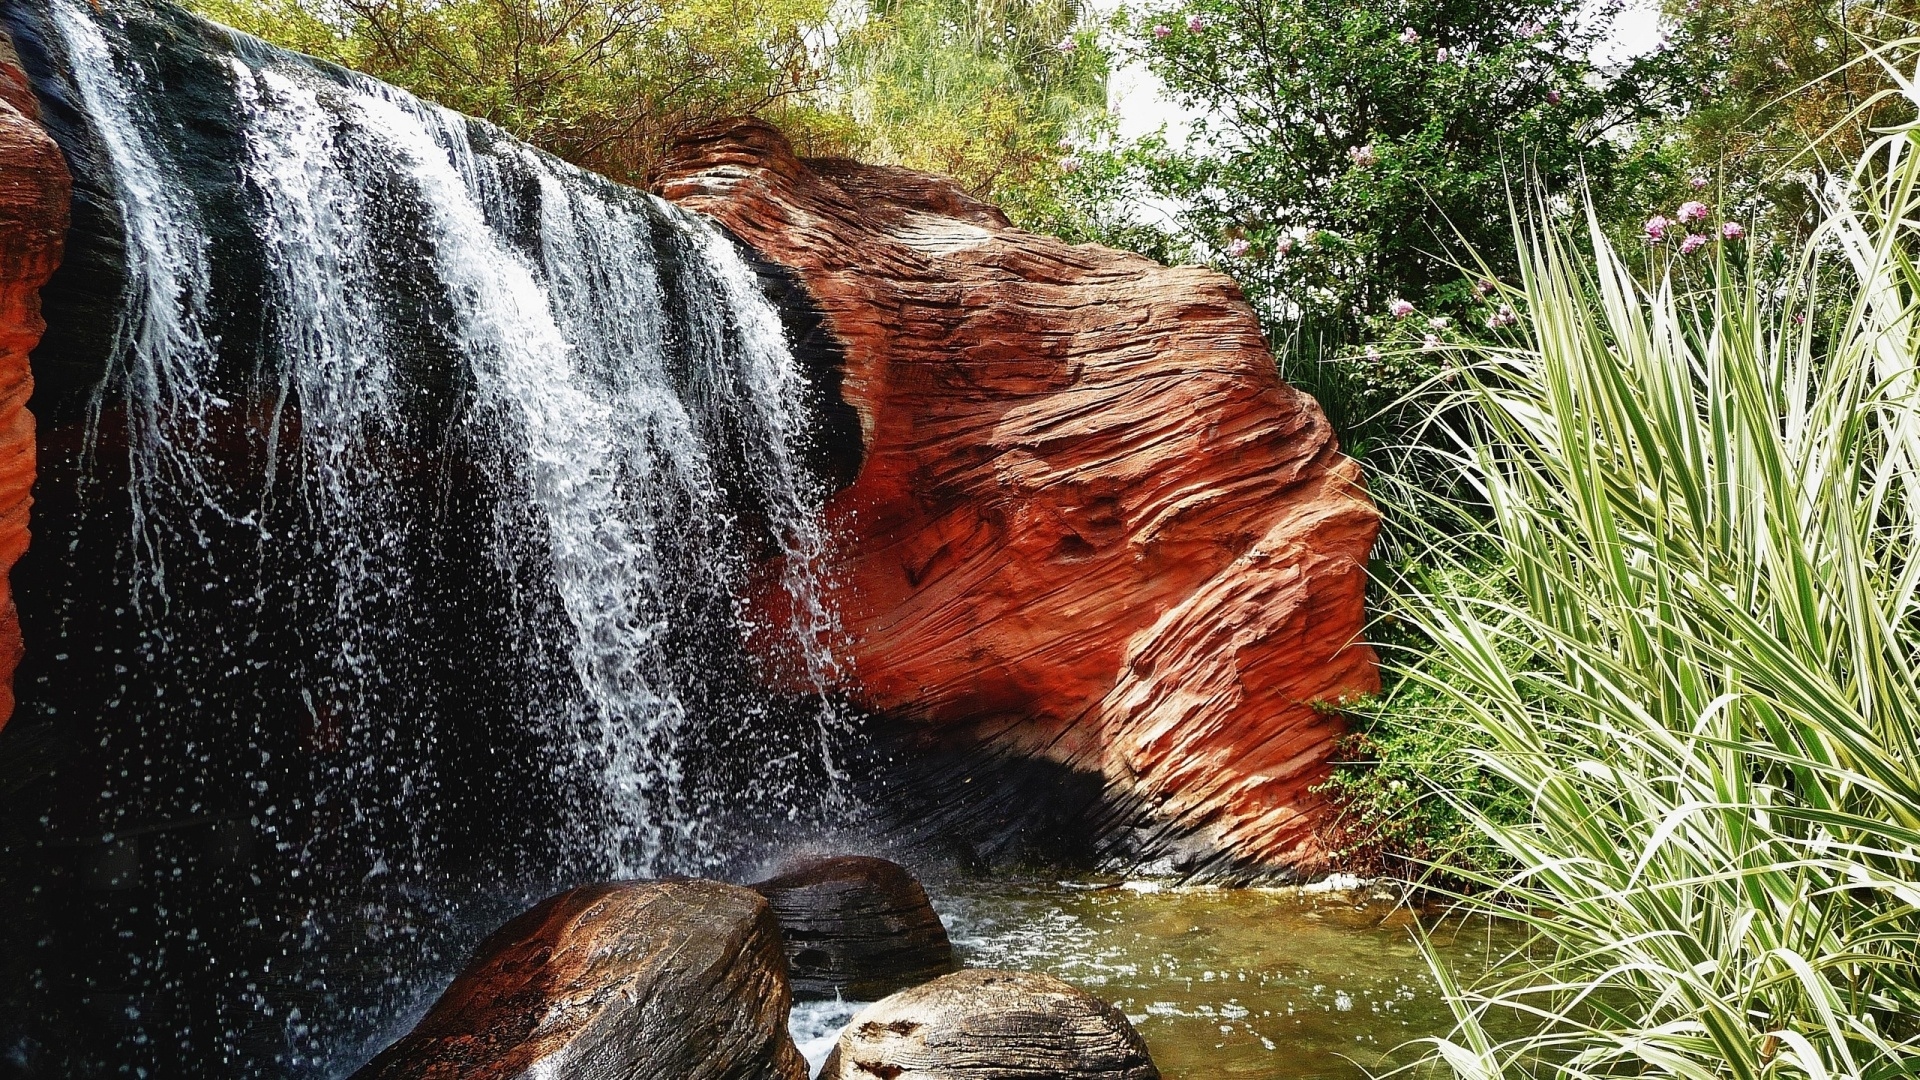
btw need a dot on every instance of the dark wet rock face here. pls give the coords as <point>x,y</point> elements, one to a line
<point>638,980</point>
<point>857,927</point>
<point>984,1024</point>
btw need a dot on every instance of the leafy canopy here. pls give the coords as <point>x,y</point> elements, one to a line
<point>1339,148</point>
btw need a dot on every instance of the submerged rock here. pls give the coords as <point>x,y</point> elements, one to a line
<point>984,1024</point>
<point>1093,527</point>
<point>856,927</point>
<point>640,980</point>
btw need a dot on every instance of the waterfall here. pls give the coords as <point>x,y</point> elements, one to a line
<point>411,555</point>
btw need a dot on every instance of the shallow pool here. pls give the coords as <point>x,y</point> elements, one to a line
<point>1280,983</point>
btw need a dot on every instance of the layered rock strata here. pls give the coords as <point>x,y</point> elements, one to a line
<point>856,927</point>
<point>1093,527</point>
<point>679,979</point>
<point>34,194</point>
<point>984,1024</point>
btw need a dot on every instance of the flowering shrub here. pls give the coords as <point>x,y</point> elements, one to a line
<point>1347,155</point>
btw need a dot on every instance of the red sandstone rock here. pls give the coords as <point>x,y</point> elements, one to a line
<point>34,194</point>
<point>1092,525</point>
<point>668,979</point>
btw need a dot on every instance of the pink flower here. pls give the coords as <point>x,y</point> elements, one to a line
<point>1691,212</point>
<point>1481,287</point>
<point>1069,165</point>
<point>1440,54</point>
<point>1410,36</point>
<point>1161,31</point>
<point>1697,181</point>
<point>1799,318</point>
<point>1283,245</point>
<point>1694,242</point>
<point>1364,156</point>
<point>1532,30</point>
<point>1429,343</point>
<point>1373,353</point>
<point>1553,97</point>
<point>1401,308</point>
<point>1502,317</point>
<point>1656,229</point>
<point>1196,24</point>
<point>1439,322</point>
<point>1067,45</point>
<point>1733,230</point>
<point>1237,247</point>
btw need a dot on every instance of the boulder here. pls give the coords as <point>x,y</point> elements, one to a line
<point>637,980</point>
<point>1092,526</point>
<point>983,1024</point>
<point>34,194</point>
<point>856,927</point>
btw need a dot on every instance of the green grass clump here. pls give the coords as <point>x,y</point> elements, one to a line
<point>1700,668</point>
<point>1401,772</point>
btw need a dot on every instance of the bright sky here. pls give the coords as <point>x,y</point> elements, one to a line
<point>1134,95</point>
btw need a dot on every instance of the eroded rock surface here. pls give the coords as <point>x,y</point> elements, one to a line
<point>1092,527</point>
<point>34,194</point>
<point>636,980</point>
<point>856,927</point>
<point>984,1024</point>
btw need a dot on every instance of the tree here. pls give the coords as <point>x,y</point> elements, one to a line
<point>1785,92</point>
<point>1349,155</point>
<point>1346,160</point>
<point>606,84</point>
<point>990,93</point>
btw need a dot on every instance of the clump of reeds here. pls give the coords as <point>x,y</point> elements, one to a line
<point>1702,667</point>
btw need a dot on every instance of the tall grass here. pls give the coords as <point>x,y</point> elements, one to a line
<point>1703,669</point>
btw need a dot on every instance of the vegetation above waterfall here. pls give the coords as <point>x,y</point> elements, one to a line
<point>991,94</point>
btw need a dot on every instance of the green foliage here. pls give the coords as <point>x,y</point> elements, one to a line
<point>1403,770</point>
<point>990,94</point>
<point>1787,82</point>
<point>1349,155</point>
<point>606,84</point>
<point>1705,679</point>
<point>1773,99</point>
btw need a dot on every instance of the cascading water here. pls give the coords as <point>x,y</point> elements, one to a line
<point>396,560</point>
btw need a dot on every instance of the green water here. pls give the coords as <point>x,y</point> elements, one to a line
<point>1229,982</point>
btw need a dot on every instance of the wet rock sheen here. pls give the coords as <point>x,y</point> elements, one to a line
<point>638,980</point>
<point>34,189</point>
<point>856,927</point>
<point>985,1024</point>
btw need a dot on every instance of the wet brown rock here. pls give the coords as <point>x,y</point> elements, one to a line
<point>638,980</point>
<point>34,194</point>
<point>856,927</point>
<point>990,1025</point>
<point>1092,526</point>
